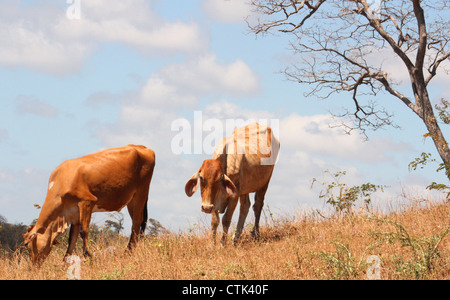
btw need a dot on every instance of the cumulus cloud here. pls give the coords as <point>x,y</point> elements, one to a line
<point>205,74</point>
<point>397,71</point>
<point>41,36</point>
<point>226,110</point>
<point>314,135</point>
<point>227,11</point>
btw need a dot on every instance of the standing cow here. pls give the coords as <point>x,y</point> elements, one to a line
<point>242,163</point>
<point>99,182</point>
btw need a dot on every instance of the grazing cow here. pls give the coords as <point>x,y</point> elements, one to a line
<point>104,181</point>
<point>241,164</point>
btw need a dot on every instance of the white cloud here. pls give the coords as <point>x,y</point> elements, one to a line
<point>21,45</point>
<point>390,63</point>
<point>226,110</point>
<point>134,23</point>
<point>314,135</point>
<point>204,74</point>
<point>40,35</point>
<point>227,11</point>
<point>159,92</point>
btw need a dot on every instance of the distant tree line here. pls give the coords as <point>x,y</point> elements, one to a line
<point>11,235</point>
<point>11,238</point>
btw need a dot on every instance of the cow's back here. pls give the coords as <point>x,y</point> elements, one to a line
<point>248,156</point>
<point>109,174</point>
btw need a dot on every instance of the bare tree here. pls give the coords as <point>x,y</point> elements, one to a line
<point>339,44</point>
<point>155,228</point>
<point>116,222</point>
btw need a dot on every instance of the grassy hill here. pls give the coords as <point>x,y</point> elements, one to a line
<point>410,243</point>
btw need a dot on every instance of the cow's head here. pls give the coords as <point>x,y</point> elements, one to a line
<point>216,188</point>
<point>39,244</point>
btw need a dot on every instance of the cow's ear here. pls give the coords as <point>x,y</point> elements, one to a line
<point>28,238</point>
<point>229,186</point>
<point>30,228</point>
<point>191,185</point>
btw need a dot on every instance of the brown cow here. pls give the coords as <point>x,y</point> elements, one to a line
<point>241,164</point>
<point>104,181</point>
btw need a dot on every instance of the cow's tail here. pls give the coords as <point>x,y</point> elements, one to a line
<point>144,219</point>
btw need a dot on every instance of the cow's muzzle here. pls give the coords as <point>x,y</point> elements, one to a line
<point>207,208</point>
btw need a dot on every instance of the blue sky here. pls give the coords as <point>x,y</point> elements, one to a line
<point>124,71</point>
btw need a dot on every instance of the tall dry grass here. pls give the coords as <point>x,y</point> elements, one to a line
<point>410,243</point>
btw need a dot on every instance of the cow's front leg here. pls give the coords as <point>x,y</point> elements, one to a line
<point>243,212</point>
<point>73,235</point>
<point>226,219</point>
<point>214,224</point>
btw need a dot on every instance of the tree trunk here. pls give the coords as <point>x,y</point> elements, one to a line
<point>419,86</point>
<point>428,117</point>
<point>436,134</point>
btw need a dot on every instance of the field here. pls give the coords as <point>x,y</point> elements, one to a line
<point>412,242</point>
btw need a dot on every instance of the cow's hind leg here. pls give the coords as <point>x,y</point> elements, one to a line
<point>138,213</point>
<point>136,218</point>
<point>86,208</point>
<point>257,208</point>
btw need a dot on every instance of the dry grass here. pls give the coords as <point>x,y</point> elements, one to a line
<point>411,243</point>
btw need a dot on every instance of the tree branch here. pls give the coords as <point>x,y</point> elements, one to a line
<point>382,77</point>
<point>377,25</point>
<point>433,67</point>
<point>273,7</point>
